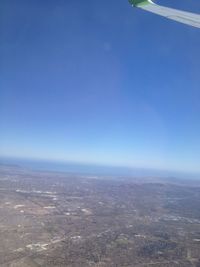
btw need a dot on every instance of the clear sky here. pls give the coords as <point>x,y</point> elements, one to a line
<point>100,82</point>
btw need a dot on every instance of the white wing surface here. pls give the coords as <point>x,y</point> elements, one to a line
<point>170,13</point>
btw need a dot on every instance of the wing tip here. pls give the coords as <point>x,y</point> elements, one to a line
<point>138,3</point>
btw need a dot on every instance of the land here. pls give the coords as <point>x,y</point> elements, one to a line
<point>73,220</point>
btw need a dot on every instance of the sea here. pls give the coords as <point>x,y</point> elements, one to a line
<point>93,169</point>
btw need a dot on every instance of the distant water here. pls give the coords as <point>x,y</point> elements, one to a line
<point>42,165</point>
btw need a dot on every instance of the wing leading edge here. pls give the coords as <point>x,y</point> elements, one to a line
<point>170,13</point>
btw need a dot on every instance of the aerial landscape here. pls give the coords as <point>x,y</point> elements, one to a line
<point>100,133</point>
<point>62,219</point>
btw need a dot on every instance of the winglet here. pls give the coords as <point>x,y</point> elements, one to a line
<point>138,3</point>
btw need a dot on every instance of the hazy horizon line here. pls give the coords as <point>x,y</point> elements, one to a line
<point>70,166</point>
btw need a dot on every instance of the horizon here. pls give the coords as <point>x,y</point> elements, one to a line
<point>95,169</point>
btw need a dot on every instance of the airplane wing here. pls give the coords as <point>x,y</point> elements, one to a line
<point>170,13</point>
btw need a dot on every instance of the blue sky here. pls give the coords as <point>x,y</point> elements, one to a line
<point>99,82</point>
